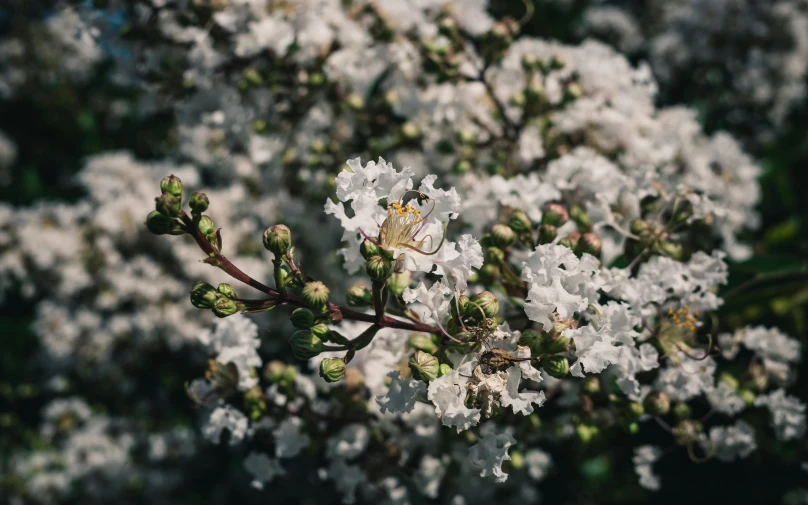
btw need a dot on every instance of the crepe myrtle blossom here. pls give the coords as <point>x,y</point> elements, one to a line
<point>411,226</point>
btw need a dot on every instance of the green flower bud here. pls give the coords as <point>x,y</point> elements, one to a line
<point>422,342</point>
<point>681,410</point>
<point>587,433</point>
<point>462,303</point>
<point>729,380</point>
<point>355,101</point>
<point>321,331</point>
<point>657,403</point>
<point>534,340</point>
<point>557,63</point>
<point>556,366</point>
<point>159,223</point>
<point>555,214</point>
<point>398,283</point>
<point>687,431</point>
<point>465,136</point>
<point>570,240</point>
<point>225,307</point>
<point>489,274</point>
<point>171,185</point>
<point>639,227</point>
<point>168,205</point>
<point>547,233</point>
<point>462,167</point>
<point>503,236</point>
<point>203,295</point>
<point>591,385</point>
<point>379,268</point>
<point>368,249</point>
<point>277,239</point>
<point>359,296</point>
<point>747,396</point>
<point>519,222</point>
<point>579,216</point>
<point>444,369</point>
<point>494,255</point>
<point>332,369</point>
<point>227,290</point>
<point>588,243</point>
<point>424,366</point>
<point>305,344</point>
<point>274,371</point>
<point>199,202</point>
<point>518,99</point>
<point>409,131</point>
<point>302,319</point>
<point>485,301</point>
<point>557,343</point>
<point>315,294</point>
<point>206,226</point>
<point>635,409</point>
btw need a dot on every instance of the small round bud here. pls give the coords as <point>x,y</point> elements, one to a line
<point>462,167</point>
<point>503,236</point>
<point>277,239</point>
<point>681,410</point>
<point>494,254</point>
<point>639,227</point>
<point>489,274</point>
<point>206,226</point>
<point>379,268</point>
<point>586,433</point>
<point>747,396</point>
<point>635,409</point>
<point>321,331</point>
<point>519,222</point>
<point>591,385</point>
<point>729,380</point>
<point>199,202</point>
<point>305,344</point>
<point>203,295</point>
<point>355,101</point>
<point>556,366</point>
<point>687,431</point>
<point>578,215</point>
<point>274,371</point>
<point>302,319</point>
<point>557,63</point>
<point>589,243</point>
<point>444,369</point>
<point>657,403</point>
<point>547,233</point>
<point>159,223</point>
<point>171,185</point>
<point>398,283</point>
<point>168,205</point>
<point>332,369</point>
<point>485,301</point>
<point>557,343</point>
<point>225,307</point>
<point>227,290</point>
<point>570,240</point>
<point>422,342</point>
<point>424,366</point>
<point>534,340</point>
<point>368,249</point>
<point>555,214</point>
<point>359,296</point>
<point>462,303</point>
<point>410,131</point>
<point>315,294</point>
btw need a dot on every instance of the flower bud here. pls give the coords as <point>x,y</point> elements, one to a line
<point>591,385</point>
<point>494,255</point>
<point>225,307</point>
<point>315,294</point>
<point>227,290</point>
<point>277,239</point>
<point>687,431</point>
<point>578,215</point>
<point>167,205</point>
<point>570,241</point>
<point>547,233</point>
<point>485,301</point>
<point>489,274</point>
<point>274,371</point>
<point>379,268</point>
<point>199,202</point>
<point>556,366</point>
<point>398,283</point>
<point>681,410</point>
<point>503,236</point>
<point>305,344</point>
<point>588,243</point>
<point>424,366</point>
<point>657,403</point>
<point>368,249</point>
<point>462,304</point>
<point>444,369</point>
<point>747,396</point>
<point>302,319</point>
<point>586,433</point>
<point>555,214</point>
<point>159,223</point>
<point>557,343</point>
<point>359,296</point>
<point>321,331</point>
<point>332,369</point>
<point>422,342</point>
<point>519,222</point>
<point>534,340</point>
<point>203,295</point>
<point>171,185</point>
<point>635,409</point>
<point>206,226</point>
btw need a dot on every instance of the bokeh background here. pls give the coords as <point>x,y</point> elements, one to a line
<point>56,119</point>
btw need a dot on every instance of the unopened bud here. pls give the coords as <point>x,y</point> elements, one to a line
<point>687,431</point>
<point>206,226</point>
<point>570,240</point>
<point>444,369</point>
<point>494,255</point>
<point>321,331</point>
<point>635,409</point>
<point>681,410</point>
<point>302,318</point>
<point>485,301</point>
<point>379,268</point>
<point>278,239</point>
<point>557,343</point>
<point>355,101</point>
<point>359,296</point>
<point>589,243</point>
<point>422,342</point>
<point>580,217</point>
<point>409,131</point>
<point>305,345</point>
<point>657,403</point>
<point>199,202</point>
<point>591,385</point>
<point>398,283</point>
<point>171,185</point>
<point>315,294</point>
<point>555,214</point>
<point>274,371</point>
<point>556,366</point>
<point>424,366</point>
<point>586,433</point>
<point>547,233</point>
<point>227,290</point>
<point>167,205</point>
<point>225,307</point>
<point>203,295</point>
<point>519,222</point>
<point>368,249</point>
<point>534,340</point>
<point>332,369</point>
<point>503,236</point>
<point>158,223</point>
<point>489,274</point>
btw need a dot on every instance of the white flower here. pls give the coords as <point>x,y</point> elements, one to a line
<point>489,453</point>
<point>724,399</point>
<point>435,299</point>
<point>538,463</point>
<point>430,475</point>
<point>288,439</point>
<point>594,349</point>
<point>730,442</point>
<point>225,418</point>
<point>262,468</point>
<point>349,442</point>
<point>520,403</point>
<point>644,458</point>
<point>402,394</point>
<point>690,378</point>
<point>448,394</point>
<point>788,414</point>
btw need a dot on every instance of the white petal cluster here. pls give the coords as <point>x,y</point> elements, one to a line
<point>731,442</point>
<point>787,414</point>
<point>644,458</point>
<point>489,453</point>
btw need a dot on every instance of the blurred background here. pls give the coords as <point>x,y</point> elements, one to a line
<point>741,64</point>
